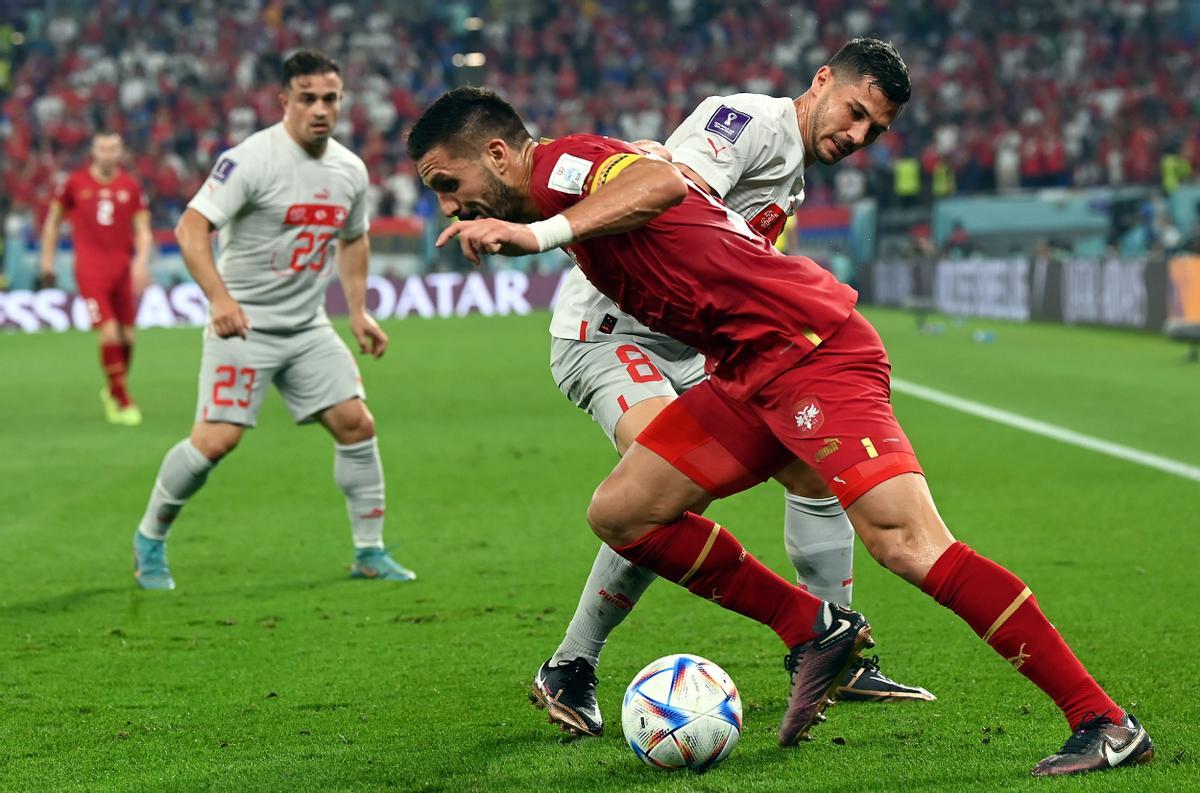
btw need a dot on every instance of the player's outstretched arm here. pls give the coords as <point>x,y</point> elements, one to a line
<point>194,233</point>
<point>353,256</point>
<point>50,230</point>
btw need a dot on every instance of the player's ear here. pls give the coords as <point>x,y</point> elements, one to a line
<point>822,79</point>
<point>497,153</point>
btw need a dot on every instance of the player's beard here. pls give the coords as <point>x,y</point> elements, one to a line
<point>818,123</point>
<point>499,201</point>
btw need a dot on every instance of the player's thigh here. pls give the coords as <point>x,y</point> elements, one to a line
<point>608,379</point>
<point>801,479</point>
<point>833,411</point>
<point>121,296</point>
<point>720,444</point>
<point>96,291</point>
<point>234,376</point>
<point>320,373</point>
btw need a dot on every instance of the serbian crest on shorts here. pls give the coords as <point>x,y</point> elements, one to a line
<point>808,415</point>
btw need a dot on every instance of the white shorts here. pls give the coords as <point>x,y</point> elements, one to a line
<point>607,378</point>
<point>313,370</point>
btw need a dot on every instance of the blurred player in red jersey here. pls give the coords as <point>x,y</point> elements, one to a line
<point>796,374</point>
<point>110,225</point>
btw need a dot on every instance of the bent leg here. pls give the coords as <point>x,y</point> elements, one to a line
<point>184,470</point>
<point>900,526</point>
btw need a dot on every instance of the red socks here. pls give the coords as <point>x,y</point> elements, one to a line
<point>1001,609</point>
<point>696,553</point>
<point>114,358</point>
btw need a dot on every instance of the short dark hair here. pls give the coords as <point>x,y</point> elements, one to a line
<point>877,59</point>
<point>306,62</point>
<point>464,119</point>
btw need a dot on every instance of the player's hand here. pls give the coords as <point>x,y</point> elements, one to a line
<point>371,338</point>
<point>228,319</point>
<point>141,279</point>
<point>489,235</point>
<point>47,279</point>
<point>653,147</point>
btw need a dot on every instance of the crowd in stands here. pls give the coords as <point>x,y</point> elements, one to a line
<point>1007,93</point>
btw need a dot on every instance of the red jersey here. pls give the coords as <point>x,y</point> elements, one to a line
<point>697,272</point>
<point>101,215</point>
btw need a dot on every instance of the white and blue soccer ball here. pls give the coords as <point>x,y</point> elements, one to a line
<point>682,711</point>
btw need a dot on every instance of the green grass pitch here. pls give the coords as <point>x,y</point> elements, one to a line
<point>269,669</point>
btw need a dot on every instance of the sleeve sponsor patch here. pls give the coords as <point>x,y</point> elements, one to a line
<point>569,174</point>
<point>728,123</point>
<point>223,169</point>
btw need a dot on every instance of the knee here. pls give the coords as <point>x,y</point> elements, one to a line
<point>899,548</point>
<point>604,516</point>
<point>216,443</point>
<point>356,428</point>
<point>109,334</point>
<point>127,336</point>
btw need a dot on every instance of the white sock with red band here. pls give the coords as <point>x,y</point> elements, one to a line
<point>184,470</point>
<point>820,542</point>
<point>613,587</point>
<point>358,472</point>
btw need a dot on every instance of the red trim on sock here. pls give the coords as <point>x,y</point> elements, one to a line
<point>697,553</point>
<point>998,607</point>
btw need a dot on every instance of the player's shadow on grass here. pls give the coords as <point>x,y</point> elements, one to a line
<point>61,603</point>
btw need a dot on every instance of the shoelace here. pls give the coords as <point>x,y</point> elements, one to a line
<point>1082,737</point>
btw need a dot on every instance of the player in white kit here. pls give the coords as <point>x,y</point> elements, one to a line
<point>749,150</point>
<point>282,199</point>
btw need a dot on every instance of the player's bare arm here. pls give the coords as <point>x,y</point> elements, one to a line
<point>50,230</point>
<point>194,233</point>
<point>143,242</point>
<point>352,272</point>
<point>635,196</point>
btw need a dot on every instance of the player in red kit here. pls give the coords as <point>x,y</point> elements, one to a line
<point>796,374</point>
<point>110,227</point>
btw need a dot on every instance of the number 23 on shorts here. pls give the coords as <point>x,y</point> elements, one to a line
<point>638,364</point>
<point>227,378</point>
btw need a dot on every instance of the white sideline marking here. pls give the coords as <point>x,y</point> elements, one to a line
<point>1048,430</point>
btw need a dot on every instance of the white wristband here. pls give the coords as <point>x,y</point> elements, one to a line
<point>552,233</point>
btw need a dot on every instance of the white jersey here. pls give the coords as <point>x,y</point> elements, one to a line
<point>749,150</point>
<point>278,210</point>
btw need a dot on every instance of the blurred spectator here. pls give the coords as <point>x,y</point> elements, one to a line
<point>1006,94</point>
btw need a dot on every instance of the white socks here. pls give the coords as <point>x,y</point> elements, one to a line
<point>820,542</point>
<point>613,586</point>
<point>359,475</point>
<point>183,471</point>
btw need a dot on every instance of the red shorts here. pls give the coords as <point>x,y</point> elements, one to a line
<point>109,295</point>
<point>832,411</point>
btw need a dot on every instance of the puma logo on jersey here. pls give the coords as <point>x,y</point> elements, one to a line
<point>716,151</point>
<point>322,194</point>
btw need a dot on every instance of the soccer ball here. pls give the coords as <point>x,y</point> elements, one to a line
<point>682,711</point>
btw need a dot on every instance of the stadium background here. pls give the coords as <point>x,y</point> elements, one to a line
<point>1043,174</point>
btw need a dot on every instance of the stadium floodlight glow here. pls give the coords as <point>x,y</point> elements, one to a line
<point>473,23</point>
<point>471,59</point>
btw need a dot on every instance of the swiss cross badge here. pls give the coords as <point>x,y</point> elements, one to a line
<point>808,415</point>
